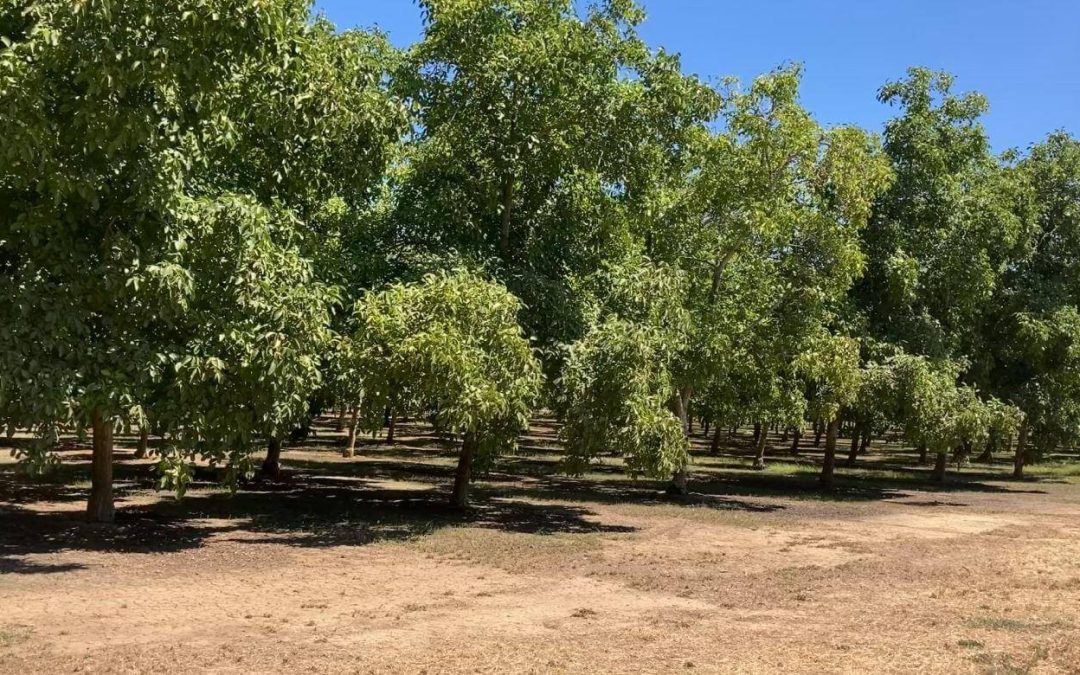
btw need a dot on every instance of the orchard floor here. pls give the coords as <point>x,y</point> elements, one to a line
<point>355,565</point>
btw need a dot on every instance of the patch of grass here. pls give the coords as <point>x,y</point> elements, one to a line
<point>11,635</point>
<point>1068,471</point>
<point>510,551</point>
<point>1013,625</point>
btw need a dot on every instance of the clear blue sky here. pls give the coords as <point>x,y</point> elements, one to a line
<point>1023,54</point>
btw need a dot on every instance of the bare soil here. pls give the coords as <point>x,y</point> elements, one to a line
<point>356,565</point>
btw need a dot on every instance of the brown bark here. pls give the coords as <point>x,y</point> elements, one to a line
<point>99,508</point>
<point>762,439</point>
<point>1021,448</point>
<point>828,464</point>
<point>853,453</point>
<point>757,432</point>
<point>797,436</point>
<point>714,449</point>
<point>391,427</point>
<point>340,424</point>
<point>142,449</point>
<point>350,446</point>
<point>271,466</point>
<point>940,465</point>
<point>924,454</point>
<point>460,496</point>
<point>818,431</point>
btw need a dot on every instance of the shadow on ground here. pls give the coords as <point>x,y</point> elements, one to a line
<point>324,500</point>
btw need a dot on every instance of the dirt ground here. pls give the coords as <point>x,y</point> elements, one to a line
<point>356,566</point>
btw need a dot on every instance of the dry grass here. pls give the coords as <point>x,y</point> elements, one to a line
<point>355,566</point>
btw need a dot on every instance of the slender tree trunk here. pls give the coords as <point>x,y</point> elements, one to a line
<point>924,454</point>
<point>797,436</point>
<point>714,448</point>
<point>142,449</point>
<point>828,464</point>
<point>758,432</point>
<point>819,429</point>
<point>350,446</point>
<point>1021,448</point>
<point>460,497</point>
<point>100,507</point>
<point>271,466</point>
<point>853,453</point>
<point>706,426</point>
<point>784,435</point>
<point>9,433</point>
<point>940,466</point>
<point>340,424</point>
<point>680,478</point>
<point>507,209</point>
<point>391,427</point>
<point>762,439</point>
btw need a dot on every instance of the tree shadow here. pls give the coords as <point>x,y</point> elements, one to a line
<point>302,511</point>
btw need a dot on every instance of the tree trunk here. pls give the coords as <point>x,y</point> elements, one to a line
<point>762,438</point>
<point>705,426</point>
<point>797,436</point>
<point>679,480</point>
<point>460,497</point>
<point>1021,448</point>
<point>939,467</point>
<point>828,464</point>
<point>391,427</point>
<point>142,449</point>
<point>714,449</point>
<point>758,433</point>
<point>350,446</point>
<point>100,507</point>
<point>818,431</point>
<point>924,454</point>
<point>340,424</point>
<point>784,435</point>
<point>853,453</point>
<point>271,466</point>
<point>507,208</point>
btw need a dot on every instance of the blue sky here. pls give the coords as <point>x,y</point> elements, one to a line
<point>1022,54</point>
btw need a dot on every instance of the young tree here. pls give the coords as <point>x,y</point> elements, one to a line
<point>449,345</point>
